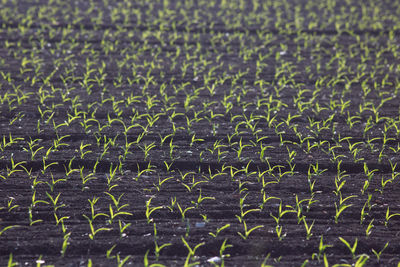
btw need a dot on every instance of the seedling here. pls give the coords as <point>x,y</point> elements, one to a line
<point>11,262</point>
<point>117,212</point>
<point>183,211</point>
<point>123,227</point>
<point>368,230</point>
<point>53,182</point>
<point>146,149</point>
<point>161,182</point>
<point>281,212</point>
<point>219,230</point>
<point>46,166</point>
<point>157,249</point>
<point>85,178</point>
<point>279,234</point>
<point>150,210</point>
<point>8,228</point>
<point>191,251</point>
<point>341,207</point>
<point>54,201</point>
<point>93,214</point>
<point>200,199</point>
<point>308,228</point>
<point>388,216</point>
<point>31,221</point>
<point>243,213</point>
<point>65,244</point>
<point>82,152</point>
<point>94,231</point>
<point>321,249</point>
<point>352,248</point>
<point>10,205</point>
<point>247,232</point>
<point>13,169</point>
<point>32,148</point>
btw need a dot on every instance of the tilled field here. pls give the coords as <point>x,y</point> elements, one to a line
<point>199,133</point>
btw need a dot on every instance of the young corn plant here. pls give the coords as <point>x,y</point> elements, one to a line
<point>191,252</point>
<point>150,210</point>
<point>388,216</point>
<point>93,214</point>
<point>158,248</point>
<point>246,233</point>
<point>82,152</point>
<point>146,149</point>
<point>222,254</point>
<point>352,248</point>
<point>33,148</point>
<point>2,231</point>
<point>10,205</point>
<point>117,210</point>
<point>65,244</point>
<point>239,150</point>
<point>85,178</point>
<point>281,213</point>
<point>243,213</point>
<point>94,231</point>
<point>183,210</point>
<point>14,168</point>
<point>368,230</point>
<point>220,229</point>
<point>200,199</point>
<point>321,250</point>
<point>161,182</point>
<point>341,207</point>
<point>308,228</point>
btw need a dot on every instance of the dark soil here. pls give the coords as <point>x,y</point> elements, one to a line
<point>60,45</point>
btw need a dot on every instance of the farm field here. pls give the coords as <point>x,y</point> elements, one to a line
<point>199,133</point>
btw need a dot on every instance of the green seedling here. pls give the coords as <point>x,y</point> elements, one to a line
<point>150,210</point>
<point>123,227</point>
<point>61,221</point>
<point>379,253</point>
<point>94,231</point>
<point>118,208</point>
<point>82,147</point>
<point>8,228</point>
<point>32,148</point>
<point>10,205</point>
<point>191,251</point>
<point>157,249</point>
<point>308,228</point>
<point>93,213</point>
<point>342,206</point>
<point>281,212</point>
<point>220,229</point>
<point>388,216</point>
<point>183,211</point>
<point>200,199</point>
<point>11,262</point>
<point>146,149</point>
<point>368,230</point>
<point>65,244</point>
<point>54,201</point>
<point>352,248</point>
<point>31,221</point>
<point>247,231</point>
<point>161,182</point>
<point>243,213</point>
<point>321,250</point>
